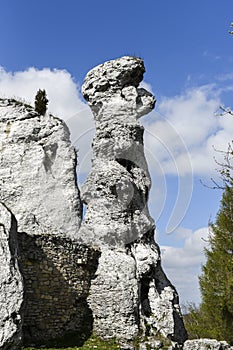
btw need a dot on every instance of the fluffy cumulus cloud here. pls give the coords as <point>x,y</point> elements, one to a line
<point>62,91</point>
<point>183,264</point>
<point>185,132</point>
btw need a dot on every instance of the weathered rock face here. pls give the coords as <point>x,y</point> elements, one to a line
<point>206,344</point>
<point>11,286</point>
<point>119,182</point>
<point>38,171</point>
<point>38,184</point>
<point>130,291</point>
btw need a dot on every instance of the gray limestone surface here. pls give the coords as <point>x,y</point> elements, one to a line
<point>38,171</point>
<point>206,344</point>
<point>130,293</point>
<point>11,284</point>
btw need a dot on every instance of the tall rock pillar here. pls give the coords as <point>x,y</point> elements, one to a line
<point>130,294</point>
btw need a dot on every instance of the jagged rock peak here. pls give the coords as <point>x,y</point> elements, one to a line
<point>112,76</point>
<point>38,171</point>
<point>116,82</point>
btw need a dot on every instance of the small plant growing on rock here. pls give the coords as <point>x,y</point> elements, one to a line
<point>41,102</point>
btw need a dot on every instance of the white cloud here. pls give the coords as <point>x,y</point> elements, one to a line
<point>184,130</point>
<point>64,98</point>
<point>183,264</point>
<point>192,114</point>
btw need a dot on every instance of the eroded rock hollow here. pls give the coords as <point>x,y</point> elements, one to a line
<point>130,293</point>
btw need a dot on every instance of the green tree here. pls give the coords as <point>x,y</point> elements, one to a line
<point>41,102</point>
<point>216,281</point>
<point>194,321</point>
<point>214,317</point>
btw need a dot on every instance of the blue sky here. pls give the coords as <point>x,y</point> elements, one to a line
<point>188,57</point>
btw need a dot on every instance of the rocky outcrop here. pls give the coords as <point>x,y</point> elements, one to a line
<point>107,276</point>
<point>38,184</point>
<point>130,293</point>
<point>206,344</point>
<point>38,171</point>
<point>11,286</point>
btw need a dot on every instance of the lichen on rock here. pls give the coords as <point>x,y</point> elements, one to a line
<point>131,293</point>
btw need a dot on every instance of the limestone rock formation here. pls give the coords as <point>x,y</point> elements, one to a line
<point>206,344</point>
<point>38,184</point>
<point>38,171</point>
<point>130,293</point>
<point>11,285</point>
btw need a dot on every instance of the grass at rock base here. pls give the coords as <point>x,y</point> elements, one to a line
<point>92,343</point>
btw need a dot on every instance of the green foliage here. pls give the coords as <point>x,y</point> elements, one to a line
<point>195,322</point>
<point>216,282</point>
<point>214,318</point>
<point>41,102</point>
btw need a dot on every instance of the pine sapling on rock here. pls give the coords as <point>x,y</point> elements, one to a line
<point>41,102</point>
